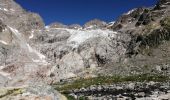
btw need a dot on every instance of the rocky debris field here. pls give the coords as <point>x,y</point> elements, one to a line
<point>134,87</point>
<point>124,91</point>
<point>32,92</point>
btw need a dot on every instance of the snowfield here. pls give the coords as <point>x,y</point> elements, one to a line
<point>78,36</point>
<point>3,42</point>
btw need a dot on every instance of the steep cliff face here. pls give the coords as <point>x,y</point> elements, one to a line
<point>12,14</point>
<point>152,26</point>
<point>148,29</point>
<point>20,62</point>
<point>16,27</point>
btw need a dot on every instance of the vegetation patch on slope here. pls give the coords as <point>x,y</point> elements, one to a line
<point>8,92</point>
<point>106,80</point>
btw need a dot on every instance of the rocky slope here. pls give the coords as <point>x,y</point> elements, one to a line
<point>32,53</point>
<point>149,32</point>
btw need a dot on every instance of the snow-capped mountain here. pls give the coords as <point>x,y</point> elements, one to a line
<point>32,53</point>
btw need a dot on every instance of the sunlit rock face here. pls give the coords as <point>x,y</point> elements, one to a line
<point>95,24</point>
<point>32,53</point>
<point>13,15</point>
<point>57,25</point>
<point>74,49</point>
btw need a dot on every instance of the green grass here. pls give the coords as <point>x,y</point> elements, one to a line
<point>8,92</point>
<point>102,80</point>
<point>69,97</point>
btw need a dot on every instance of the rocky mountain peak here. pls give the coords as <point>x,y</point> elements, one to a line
<point>57,25</point>
<point>95,23</point>
<point>75,26</point>
<point>163,2</point>
<point>10,6</point>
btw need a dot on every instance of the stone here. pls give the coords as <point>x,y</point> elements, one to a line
<point>131,86</point>
<point>30,92</point>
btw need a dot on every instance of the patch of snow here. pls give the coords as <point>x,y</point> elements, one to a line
<point>35,60</point>
<point>40,61</point>
<point>4,30</point>
<point>16,32</point>
<point>1,19</point>
<point>36,52</point>
<point>47,27</point>
<point>29,48</point>
<point>1,9</point>
<point>1,67</point>
<point>26,94</point>
<point>129,12</point>
<point>40,55</point>
<point>111,24</point>
<point>71,75</point>
<point>3,42</point>
<point>90,27</point>
<point>12,10</point>
<point>112,35</point>
<point>6,9</point>
<point>167,2</point>
<point>32,35</point>
<point>79,28</point>
<point>5,74</point>
<point>163,5</point>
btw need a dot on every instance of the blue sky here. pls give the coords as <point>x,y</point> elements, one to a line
<point>81,11</point>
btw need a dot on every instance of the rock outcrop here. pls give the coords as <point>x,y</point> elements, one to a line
<point>34,92</point>
<point>95,24</point>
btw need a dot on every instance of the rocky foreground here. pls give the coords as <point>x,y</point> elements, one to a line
<point>34,57</point>
<point>124,91</point>
<point>135,87</point>
<point>34,92</point>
